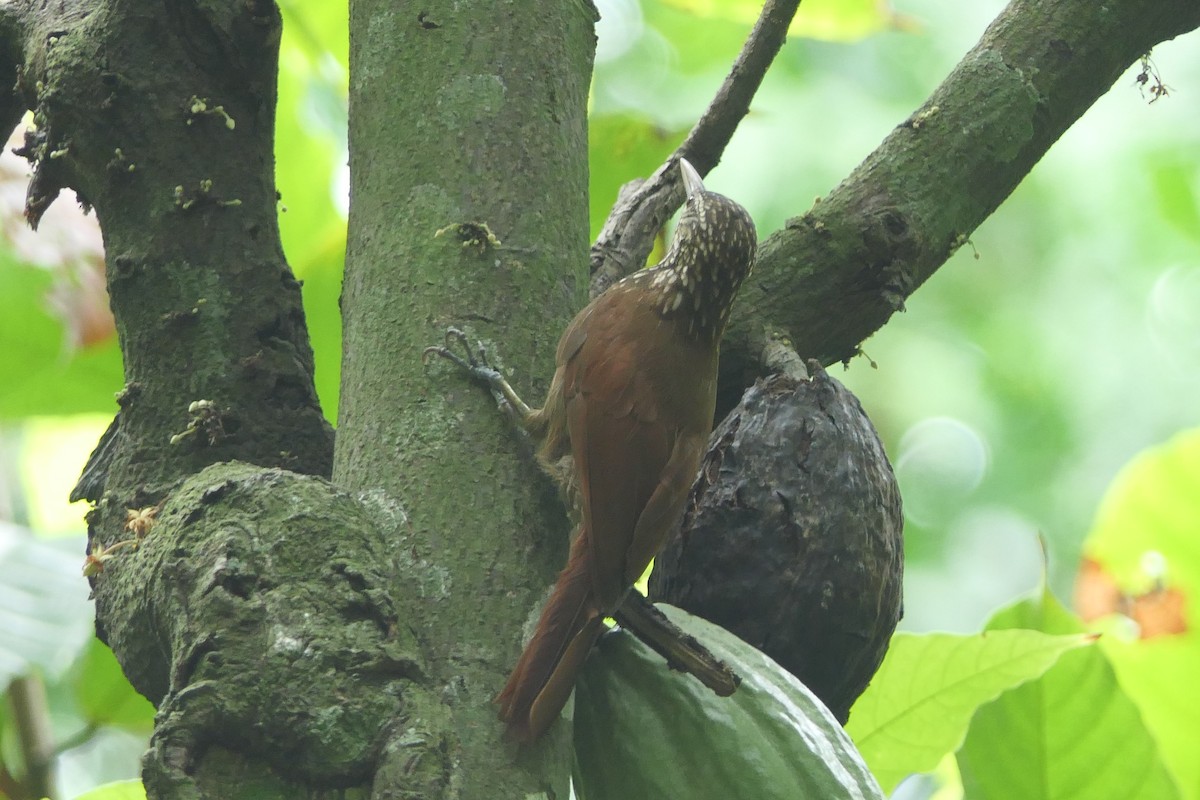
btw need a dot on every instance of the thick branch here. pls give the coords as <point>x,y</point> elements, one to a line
<point>161,117</point>
<point>628,234</point>
<point>897,218</point>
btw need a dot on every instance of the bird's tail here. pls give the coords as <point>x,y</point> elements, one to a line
<point>544,676</point>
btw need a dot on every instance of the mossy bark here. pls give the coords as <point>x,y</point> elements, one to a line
<point>468,142</point>
<point>297,639</point>
<point>269,616</point>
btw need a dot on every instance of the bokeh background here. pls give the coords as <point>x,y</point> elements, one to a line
<point>1023,378</point>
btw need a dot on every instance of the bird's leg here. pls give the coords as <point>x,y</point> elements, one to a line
<point>476,365</point>
<point>552,454</point>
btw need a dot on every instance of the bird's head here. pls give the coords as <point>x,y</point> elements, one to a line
<point>710,255</point>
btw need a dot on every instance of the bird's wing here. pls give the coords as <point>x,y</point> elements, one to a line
<point>662,511</point>
<point>621,447</point>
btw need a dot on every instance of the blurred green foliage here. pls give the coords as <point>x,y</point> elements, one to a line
<point>1035,365</point>
<point>1145,538</point>
<point>117,790</point>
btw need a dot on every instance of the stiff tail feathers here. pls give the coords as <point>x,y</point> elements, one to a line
<point>544,676</point>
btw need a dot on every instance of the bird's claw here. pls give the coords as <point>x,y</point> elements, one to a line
<point>474,362</point>
<point>455,337</point>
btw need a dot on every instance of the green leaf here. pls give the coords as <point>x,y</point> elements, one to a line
<point>920,703</point>
<point>45,617</point>
<point>41,375</point>
<point>105,695</point>
<point>1145,537</point>
<point>1041,612</point>
<point>830,20</point>
<point>118,790</point>
<point>623,147</point>
<point>1073,734</point>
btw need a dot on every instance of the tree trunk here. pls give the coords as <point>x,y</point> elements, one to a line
<point>468,142</point>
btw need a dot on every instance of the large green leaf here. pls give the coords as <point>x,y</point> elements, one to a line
<point>1144,535</point>
<point>45,617</point>
<point>831,20</point>
<point>921,701</point>
<point>1073,734</point>
<point>39,373</point>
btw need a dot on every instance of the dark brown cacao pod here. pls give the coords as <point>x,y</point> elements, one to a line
<point>793,536</point>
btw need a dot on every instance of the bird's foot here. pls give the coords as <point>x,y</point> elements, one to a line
<point>474,362</point>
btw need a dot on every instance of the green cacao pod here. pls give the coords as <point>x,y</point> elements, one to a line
<point>646,732</point>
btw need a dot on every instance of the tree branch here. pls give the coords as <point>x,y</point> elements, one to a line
<point>206,307</point>
<point>897,218</point>
<point>627,237</point>
<point>35,741</point>
<point>161,117</point>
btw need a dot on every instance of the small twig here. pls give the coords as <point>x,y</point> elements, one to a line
<point>35,738</point>
<point>10,787</point>
<point>681,650</point>
<point>627,237</point>
<point>77,739</point>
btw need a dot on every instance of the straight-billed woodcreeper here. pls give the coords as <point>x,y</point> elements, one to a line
<point>632,402</point>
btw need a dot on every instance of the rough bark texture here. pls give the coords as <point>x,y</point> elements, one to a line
<point>290,665</point>
<point>161,117</point>
<point>468,142</point>
<point>792,539</point>
<point>832,277</point>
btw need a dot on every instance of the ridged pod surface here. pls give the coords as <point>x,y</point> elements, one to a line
<point>792,538</point>
<point>645,731</point>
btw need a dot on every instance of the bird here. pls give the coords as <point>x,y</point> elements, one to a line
<point>625,424</point>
